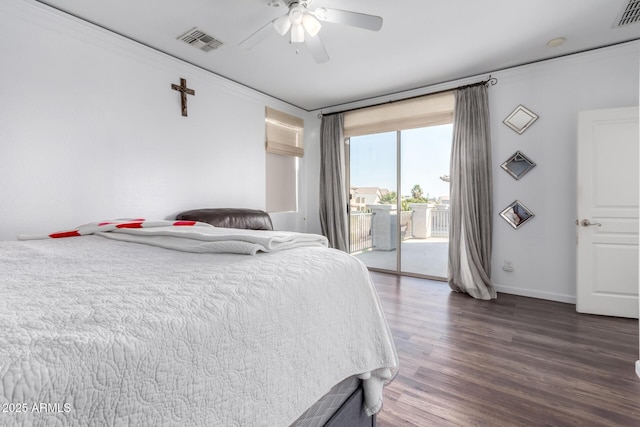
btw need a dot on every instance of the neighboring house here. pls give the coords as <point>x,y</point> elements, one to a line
<point>363,196</point>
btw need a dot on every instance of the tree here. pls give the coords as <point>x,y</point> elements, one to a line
<point>389,198</point>
<point>416,192</point>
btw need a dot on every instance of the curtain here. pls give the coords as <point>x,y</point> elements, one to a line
<point>471,195</point>
<point>333,206</point>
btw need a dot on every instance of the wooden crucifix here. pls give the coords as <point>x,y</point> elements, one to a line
<point>184,91</point>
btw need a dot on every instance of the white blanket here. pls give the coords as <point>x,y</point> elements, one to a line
<point>190,236</point>
<point>101,332</point>
<point>216,240</point>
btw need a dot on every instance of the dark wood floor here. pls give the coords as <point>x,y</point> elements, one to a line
<point>515,361</point>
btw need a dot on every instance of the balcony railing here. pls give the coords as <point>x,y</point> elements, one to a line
<point>360,238</point>
<point>360,227</point>
<point>440,223</point>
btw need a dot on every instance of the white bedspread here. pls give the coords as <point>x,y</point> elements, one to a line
<point>101,332</point>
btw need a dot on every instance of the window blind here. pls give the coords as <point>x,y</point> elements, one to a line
<point>423,111</point>
<point>284,133</point>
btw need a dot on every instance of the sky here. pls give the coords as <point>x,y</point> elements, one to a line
<point>425,155</point>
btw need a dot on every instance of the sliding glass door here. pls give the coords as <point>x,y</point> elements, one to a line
<point>373,183</point>
<point>399,200</point>
<point>424,163</point>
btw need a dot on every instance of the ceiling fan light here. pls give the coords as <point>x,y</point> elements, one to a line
<point>297,34</point>
<point>311,24</point>
<point>321,13</point>
<point>296,13</point>
<point>282,25</point>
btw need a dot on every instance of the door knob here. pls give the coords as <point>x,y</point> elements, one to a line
<point>587,223</point>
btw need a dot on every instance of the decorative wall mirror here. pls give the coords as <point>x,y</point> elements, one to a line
<point>518,165</point>
<point>520,119</point>
<point>516,214</point>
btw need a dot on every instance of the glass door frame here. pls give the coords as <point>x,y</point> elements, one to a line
<point>398,271</point>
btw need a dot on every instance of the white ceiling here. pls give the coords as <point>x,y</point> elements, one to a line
<point>421,42</point>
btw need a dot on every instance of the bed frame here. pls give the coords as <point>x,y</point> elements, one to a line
<point>351,413</point>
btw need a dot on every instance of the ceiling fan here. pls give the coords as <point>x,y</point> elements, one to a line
<point>303,24</point>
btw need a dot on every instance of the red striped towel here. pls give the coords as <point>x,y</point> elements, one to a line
<point>95,227</point>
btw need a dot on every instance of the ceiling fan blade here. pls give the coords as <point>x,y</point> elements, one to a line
<point>345,17</point>
<point>257,37</point>
<point>317,49</point>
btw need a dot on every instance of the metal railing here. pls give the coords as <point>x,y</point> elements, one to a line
<point>360,227</point>
<point>360,231</point>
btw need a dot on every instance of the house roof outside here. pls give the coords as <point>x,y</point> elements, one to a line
<point>371,195</point>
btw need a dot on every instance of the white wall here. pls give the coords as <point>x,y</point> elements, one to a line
<point>90,129</point>
<point>543,250</point>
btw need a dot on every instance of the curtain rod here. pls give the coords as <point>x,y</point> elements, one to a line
<point>491,81</point>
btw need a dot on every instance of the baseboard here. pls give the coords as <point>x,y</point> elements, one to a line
<point>638,368</point>
<point>532,293</point>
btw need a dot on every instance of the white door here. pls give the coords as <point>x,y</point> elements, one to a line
<point>608,192</point>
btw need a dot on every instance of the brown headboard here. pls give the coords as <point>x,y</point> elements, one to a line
<point>251,219</point>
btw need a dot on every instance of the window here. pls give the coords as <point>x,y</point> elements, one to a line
<point>284,144</point>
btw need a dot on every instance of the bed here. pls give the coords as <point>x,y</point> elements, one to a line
<point>182,323</point>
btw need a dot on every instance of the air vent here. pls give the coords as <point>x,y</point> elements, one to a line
<point>200,39</point>
<point>629,15</point>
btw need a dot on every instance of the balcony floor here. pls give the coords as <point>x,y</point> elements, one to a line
<point>428,257</point>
